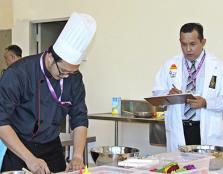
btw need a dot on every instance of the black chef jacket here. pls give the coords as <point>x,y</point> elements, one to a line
<point>24,95</point>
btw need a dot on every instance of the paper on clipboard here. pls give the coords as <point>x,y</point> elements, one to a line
<point>169,99</point>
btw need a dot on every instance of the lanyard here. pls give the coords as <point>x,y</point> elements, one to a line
<point>193,77</point>
<point>53,93</point>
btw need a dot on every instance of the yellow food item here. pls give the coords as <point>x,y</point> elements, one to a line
<point>86,170</point>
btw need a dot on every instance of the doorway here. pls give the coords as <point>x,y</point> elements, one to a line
<point>6,40</point>
<point>44,34</point>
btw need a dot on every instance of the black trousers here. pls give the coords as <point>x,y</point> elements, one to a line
<point>192,132</point>
<point>51,153</point>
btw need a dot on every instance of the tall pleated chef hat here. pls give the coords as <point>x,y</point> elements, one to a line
<point>75,38</point>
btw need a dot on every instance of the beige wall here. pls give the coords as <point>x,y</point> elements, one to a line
<point>134,38</point>
<point>6,14</point>
<point>6,23</point>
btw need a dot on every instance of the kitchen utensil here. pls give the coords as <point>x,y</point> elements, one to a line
<point>26,171</point>
<point>127,112</point>
<point>14,172</point>
<point>111,155</point>
<point>216,151</point>
<point>23,171</point>
<point>144,114</point>
<point>141,114</point>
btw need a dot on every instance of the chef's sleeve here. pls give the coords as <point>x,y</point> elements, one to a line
<point>78,111</point>
<point>10,90</point>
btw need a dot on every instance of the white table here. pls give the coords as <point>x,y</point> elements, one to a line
<point>216,171</point>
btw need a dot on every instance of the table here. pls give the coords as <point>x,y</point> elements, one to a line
<point>121,118</point>
<point>67,140</point>
<point>216,171</point>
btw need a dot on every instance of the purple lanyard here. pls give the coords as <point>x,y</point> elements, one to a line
<point>53,93</point>
<point>193,77</point>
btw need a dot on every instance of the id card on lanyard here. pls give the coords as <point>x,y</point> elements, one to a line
<point>193,76</point>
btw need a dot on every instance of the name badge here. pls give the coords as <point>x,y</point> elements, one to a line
<point>213,82</point>
<point>173,71</point>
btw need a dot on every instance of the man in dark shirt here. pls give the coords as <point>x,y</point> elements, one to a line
<point>36,93</point>
<point>12,54</point>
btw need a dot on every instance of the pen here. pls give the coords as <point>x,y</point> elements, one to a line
<point>173,85</point>
<point>177,91</point>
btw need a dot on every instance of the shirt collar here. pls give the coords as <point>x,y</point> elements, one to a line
<point>47,73</point>
<point>197,59</point>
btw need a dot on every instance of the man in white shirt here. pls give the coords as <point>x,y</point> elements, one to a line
<point>199,121</point>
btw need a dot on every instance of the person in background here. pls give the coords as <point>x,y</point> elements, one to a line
<point>11,55</point>
<point>199,120</point>
<point>37,93</point>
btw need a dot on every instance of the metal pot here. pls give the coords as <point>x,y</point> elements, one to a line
<point>14,172</point>
<point>111,155</point>
<point>216,151</point>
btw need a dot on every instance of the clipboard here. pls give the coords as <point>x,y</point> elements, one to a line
<point>169,99</point>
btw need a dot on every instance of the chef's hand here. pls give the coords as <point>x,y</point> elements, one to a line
<point>174,90</point>
<point>198,102</point>
<point>37,166</point>
<point>75,164</point>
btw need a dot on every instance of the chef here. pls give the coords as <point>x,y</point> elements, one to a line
<point>200,120</point>
<point>37,93</point>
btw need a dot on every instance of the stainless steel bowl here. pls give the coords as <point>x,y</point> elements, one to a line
<point>14,172</point>
<point>111,155</point>
<point>216,151</point>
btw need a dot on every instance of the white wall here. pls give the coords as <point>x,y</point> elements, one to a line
<point>134,38</point>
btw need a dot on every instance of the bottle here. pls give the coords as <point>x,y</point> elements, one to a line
<point>116,105</point>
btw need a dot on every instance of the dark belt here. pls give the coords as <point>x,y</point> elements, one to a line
<point>190,123</point>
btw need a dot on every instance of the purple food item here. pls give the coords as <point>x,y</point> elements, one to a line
<point>189,167</point>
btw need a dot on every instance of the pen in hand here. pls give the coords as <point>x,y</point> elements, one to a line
<point>174,90</point>
<point>174,86</point>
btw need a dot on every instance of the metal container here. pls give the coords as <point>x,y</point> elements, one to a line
<point>141,114</point>
<point>157,134</point>
<point>144,114</point>
<point>14,172</point>
<point>111,155</point>
<point>216,151</point>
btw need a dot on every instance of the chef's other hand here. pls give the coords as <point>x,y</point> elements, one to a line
<point>174,90</point>
<point>37,166</point>
<point>198,102</point>
<point>75,164</point>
